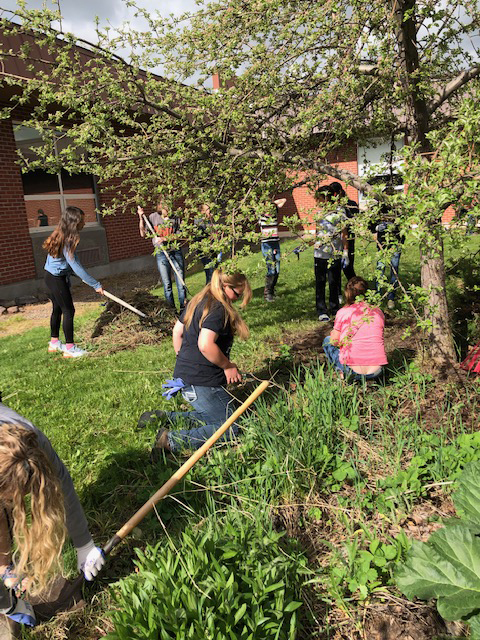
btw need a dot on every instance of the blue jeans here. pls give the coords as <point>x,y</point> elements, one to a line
<point>212,406</point>
<point>213,261</point>
<point>394,264</point>
<point>271,253</point>
<point>176,256</point>
<point>332,354</point>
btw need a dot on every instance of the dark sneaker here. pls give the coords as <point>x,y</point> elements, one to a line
<point>160,445</point>
<point>151,417</point>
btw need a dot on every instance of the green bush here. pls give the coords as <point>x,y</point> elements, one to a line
<point>231,581</point>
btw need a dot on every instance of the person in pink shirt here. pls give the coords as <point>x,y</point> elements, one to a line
<point>355,346</point>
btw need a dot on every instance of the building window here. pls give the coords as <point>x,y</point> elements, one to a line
<point>380,162</point>
<point>47,194</point>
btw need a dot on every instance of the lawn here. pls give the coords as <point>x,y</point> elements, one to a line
<point>330,465</point>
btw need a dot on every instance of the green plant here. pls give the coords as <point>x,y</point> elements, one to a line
<point>364,567</point>
<point>447,567</point>
<point>230,581</point>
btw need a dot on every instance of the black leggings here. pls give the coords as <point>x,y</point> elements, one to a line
<point>61,297</point>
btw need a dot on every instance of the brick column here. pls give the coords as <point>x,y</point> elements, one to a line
<point>16,252</point>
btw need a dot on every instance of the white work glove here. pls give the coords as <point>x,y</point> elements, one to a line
<point>90,559</point>
<point>345,259</point>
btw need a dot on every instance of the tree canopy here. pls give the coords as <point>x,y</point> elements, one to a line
<point>299,79</point>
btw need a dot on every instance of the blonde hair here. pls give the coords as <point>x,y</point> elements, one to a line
<point>213,292</point>
<point>31,491</point>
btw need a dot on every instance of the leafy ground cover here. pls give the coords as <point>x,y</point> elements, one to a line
<point>349,475</point>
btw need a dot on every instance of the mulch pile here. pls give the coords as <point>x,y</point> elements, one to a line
<point>117,328</point>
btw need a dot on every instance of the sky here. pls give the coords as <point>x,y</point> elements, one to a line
<point>79,15</point>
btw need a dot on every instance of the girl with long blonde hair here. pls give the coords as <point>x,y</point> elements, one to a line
<point>202,339</point>
<point>61,263</point>
<point>38,504</point>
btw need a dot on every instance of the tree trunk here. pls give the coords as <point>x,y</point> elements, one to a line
<point>440,344</point>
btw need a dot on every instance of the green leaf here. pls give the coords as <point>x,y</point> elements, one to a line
<point>474,623</point>
<point>273,587</point>
<point>446,568</point>
<point>389,551</point>
<point>292,606</point>
<point>240,613</point>
<point>467,496</point>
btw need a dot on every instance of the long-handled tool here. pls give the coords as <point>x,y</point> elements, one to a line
<point>124,304</point>
<point>74,589</point>
<point>165,253</point>
<point>182,471</point>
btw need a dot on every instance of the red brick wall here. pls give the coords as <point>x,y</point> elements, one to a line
<point>16,253</point>
<point>123,237</point>
<point>301,200</point>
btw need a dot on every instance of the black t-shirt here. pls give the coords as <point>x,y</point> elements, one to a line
<point>191,365</point>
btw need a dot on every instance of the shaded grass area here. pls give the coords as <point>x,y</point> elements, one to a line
<point>319,459</point>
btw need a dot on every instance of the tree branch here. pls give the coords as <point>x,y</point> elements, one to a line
<point>453,86</point>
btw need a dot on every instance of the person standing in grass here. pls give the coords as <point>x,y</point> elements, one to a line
<point>331,238</point>
<point>202,339</point>
<point>166,228</point>
<point>270,246</point>
<point>38,505</point>
<point>356,347</point>
<point>61,263</point>
<point>351,210</point>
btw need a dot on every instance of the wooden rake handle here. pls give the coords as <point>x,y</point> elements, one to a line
<point>123,303</point>
<point>181,472</point>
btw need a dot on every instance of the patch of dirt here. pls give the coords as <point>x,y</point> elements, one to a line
<point>32,316</point>
<point>118,328</point>
<point>306,346</point>
<point>401,622</point>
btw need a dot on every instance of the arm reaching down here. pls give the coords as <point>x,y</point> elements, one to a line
<point>208,347</point>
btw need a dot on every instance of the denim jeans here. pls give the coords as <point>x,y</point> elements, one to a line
<point>176,256</point>
<point>394,264</point>
<point>213,261</point>
<point>271,253</point>
<point>332,354</point>
<point>212,406</point>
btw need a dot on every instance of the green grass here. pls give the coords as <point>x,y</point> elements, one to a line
<point>310,439</point>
